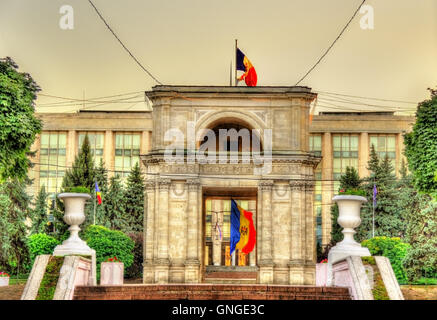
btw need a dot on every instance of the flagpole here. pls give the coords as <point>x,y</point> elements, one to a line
<point>95,198</point>
<point>236,47</point>
<point>373,213</point>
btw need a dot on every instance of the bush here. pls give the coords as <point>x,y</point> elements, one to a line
<point>392,248</point>
<point>40,243</point>
<point>77,190</point>
<point>109,243</point>
<point>135,271</point>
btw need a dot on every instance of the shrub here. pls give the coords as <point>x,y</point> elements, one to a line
<point>109,243</point>
<point>352,192</point>
<point>77,189</point>
<point>136,269</point>
<point>40,243</point>
<point>392,248</point>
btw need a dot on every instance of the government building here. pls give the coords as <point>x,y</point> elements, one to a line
<point>187,207</point>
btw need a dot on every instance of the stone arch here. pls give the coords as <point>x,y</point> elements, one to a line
<point>244,118</point>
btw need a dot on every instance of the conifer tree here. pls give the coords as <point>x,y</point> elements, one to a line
<point>14,203</point>
<point>134,199</point>
<point>101,177</point>
<point>349,180</point>
<point>115,206</point>
<point>39,213</point>
<point>82,172</point>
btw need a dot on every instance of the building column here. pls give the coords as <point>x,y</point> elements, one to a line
<point>296,264</point>
<point>266,261</point>
<point>192,264</point>
<point>216,242</point>
<point>363,156</point>
<point>148,242</point>
<point>252,255</point>
<point>145,142</point>
<point>162,261</point>
<point>71,148</point>
<point>327,187</point>
<point>109,152</point>
<point>399,153</point>
<point>310,235</point>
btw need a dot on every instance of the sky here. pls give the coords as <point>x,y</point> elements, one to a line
<point>191,42</point>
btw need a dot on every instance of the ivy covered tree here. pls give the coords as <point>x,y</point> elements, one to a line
<point>134,199</point>
<point>115,206</point>
<point>14,203</point>
<point>421,259</point>
<point>82,172</point>
<point>38,214</point>
<point>349,180</point>
<point>18,124</point>
<point>421,146</point>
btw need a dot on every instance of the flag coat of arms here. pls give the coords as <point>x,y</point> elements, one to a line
<point>243,234</point>
<point>244,64</point>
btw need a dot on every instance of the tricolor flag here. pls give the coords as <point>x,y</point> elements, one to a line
<point>244,64</point>
<point>243,234</point>
<point>98,194</point>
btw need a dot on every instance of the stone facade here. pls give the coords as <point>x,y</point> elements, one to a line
<point>285,220</point>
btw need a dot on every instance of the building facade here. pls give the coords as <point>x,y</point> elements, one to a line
<point>188,202</point>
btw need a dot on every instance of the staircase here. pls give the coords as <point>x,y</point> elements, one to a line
<point>207,291</point>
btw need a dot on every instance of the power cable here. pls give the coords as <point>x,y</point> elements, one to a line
<point>332,44</point>
<point>122,44</point>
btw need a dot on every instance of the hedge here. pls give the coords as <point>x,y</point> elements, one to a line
<point>40,243</point>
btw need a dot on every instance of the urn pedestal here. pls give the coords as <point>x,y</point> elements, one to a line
<point>111,273</point>
<point>349,208</point>
<point>4,281</point>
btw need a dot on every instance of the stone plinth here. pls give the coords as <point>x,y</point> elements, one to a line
<point>111,273</point>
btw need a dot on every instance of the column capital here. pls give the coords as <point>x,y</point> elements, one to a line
<point>193,184</point>
<point>309,185</point>
<point>297,185</point>
<point>266,185</point>
<point>164,183</point>
<point>149,186</point>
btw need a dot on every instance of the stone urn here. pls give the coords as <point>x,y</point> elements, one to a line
<point>349,209</point>
<point>111,273</point>
<point>74,216</point>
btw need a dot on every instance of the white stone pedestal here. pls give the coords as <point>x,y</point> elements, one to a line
<point>111,273</point>
<point>4,281</point>
<point>349,208</point>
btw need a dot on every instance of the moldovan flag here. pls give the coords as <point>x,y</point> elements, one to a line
<point>98,194</point>
<point>243,234</point>
<point>244,64</point>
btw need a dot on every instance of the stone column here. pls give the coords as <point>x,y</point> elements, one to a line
<point>266,261</point>
<point>363,158</point>
<point>327,187</point>
<point>145,142</point>
<point>216,242</point>
<point>192,264</point>
<point>149,235</point>
<point>399,153</point>
<point>296,264</point>
<point>252,255</point>
<point>310,235</point>
<point>72,148</point>
<point>109,152</point>
<point>162,261</point>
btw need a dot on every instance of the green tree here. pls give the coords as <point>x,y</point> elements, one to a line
<point>421,259</point>
<point>134,199</point>
<point>421,146</point>
<point>390,220</point>
<point>349,180</point>
<point>82,172</point>
<point>18,124</point>
<point>115,217</point>
<point>39,213</point>
<point>101,177</point>
<point>14,203</point>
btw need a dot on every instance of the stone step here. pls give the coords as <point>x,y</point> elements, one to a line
<point>230,281</point>
<point>210,292</point>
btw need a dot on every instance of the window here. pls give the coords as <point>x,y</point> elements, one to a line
<point>345,154</point>
<point>96,144</point>
<point>52,160</point>
<point>384,145</point>
<point>127,152</point>
<point>315,143</point>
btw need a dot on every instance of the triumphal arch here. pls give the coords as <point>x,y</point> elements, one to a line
<point>211,144</point>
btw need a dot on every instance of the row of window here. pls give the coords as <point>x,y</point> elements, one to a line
<point>53,154</point>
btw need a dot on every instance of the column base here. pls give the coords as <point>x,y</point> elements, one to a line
<point>148,273</point>
<point>310,273</point>
<point>265,273</point>
<point>192,271</point>
<point>161,270</point>
<point>296,272</point>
